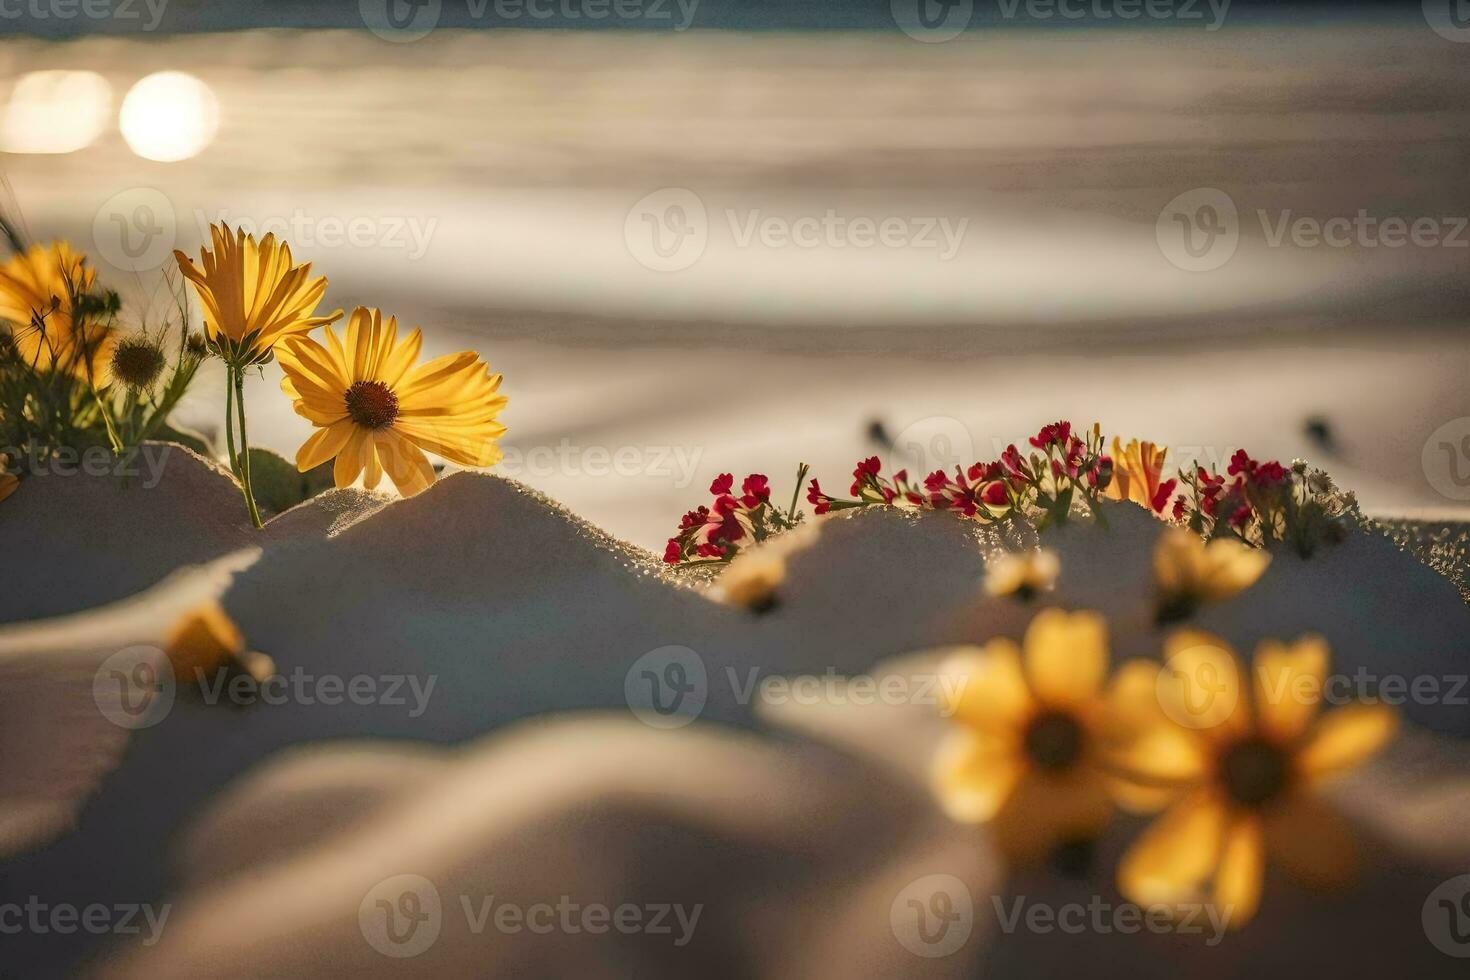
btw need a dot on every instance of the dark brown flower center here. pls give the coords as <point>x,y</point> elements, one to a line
<point>372,404</point>
<point>1054,741</point>
<point>1254,772</point>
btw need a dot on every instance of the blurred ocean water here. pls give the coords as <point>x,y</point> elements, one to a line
<point>755,242</point>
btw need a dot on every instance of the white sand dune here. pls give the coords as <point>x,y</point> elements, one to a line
<point>604,811</point>
<point>512,609</point>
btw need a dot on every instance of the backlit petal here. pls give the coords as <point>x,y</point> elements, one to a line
<point>1345,737</point>
<point>1066,656</point>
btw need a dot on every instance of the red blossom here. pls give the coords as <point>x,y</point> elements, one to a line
<point>755,491</point>
<point>1179,505</point>
<point>722,484</point>
<point>1052,435</point>
<point>1161,496</point>
<point>819,500</point>
<point>995,494</point>
<point>673,552</point>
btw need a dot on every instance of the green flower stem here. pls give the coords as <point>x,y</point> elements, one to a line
<point>238,377</point>
<point>230,420</point>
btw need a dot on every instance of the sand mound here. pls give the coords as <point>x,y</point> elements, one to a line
<point>101,537</point>
<point>593,812</point>
<point>480,603</point>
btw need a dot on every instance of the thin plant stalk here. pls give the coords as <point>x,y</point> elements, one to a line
<point>245,447</point>
<point>239,463</point>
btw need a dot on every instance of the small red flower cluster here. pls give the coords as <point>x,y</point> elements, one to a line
<point>717,533</point>
<point>1260,502</point>
<point>1065,466</point>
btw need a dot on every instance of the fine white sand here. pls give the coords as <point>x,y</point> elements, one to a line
<point>516,610</point>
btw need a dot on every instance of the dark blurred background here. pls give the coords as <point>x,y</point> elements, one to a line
<point>710,236</point>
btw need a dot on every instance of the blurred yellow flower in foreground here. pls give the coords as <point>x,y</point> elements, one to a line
<point>377,409</point>
<point>205,639</point>
<point>1026,754</point>
<point>1238,760</point>
<point>251,294</point>
<point>46,339</point>
<point>1189,571</point>
<point>1137,469</point>
<point>1022,575</point>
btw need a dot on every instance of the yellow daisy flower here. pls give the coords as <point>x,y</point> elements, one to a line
<point>1189,572</point>
<point>1022,575</point>
<point>252,295</point>
<point>1137,469</point>
<point>377,410</point>
<point>29,282</point>
<point>1241,769</point>
<point>1027,750</point>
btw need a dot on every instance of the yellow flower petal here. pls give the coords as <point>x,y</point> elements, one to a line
<point>1345,737</point>
<point>251,293</point>
<point>1312,842</point>
<point>349,459</point>
<point>1242,867</point>
<point>973,775</point>
<point>1201,686</point>
<point>1066,656</point>
<point>1288,685</point>
<point>1189,569</point>
<point>201,640</point>
<point>1137,472</point>
<point>405,463</point>
<point>323,445</point>
<point>986,688</point>
<point>1175,855</point>
<point>369,379</point>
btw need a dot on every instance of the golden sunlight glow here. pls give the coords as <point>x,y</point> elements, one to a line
<point>55,112</point>
<point>169,116</point>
